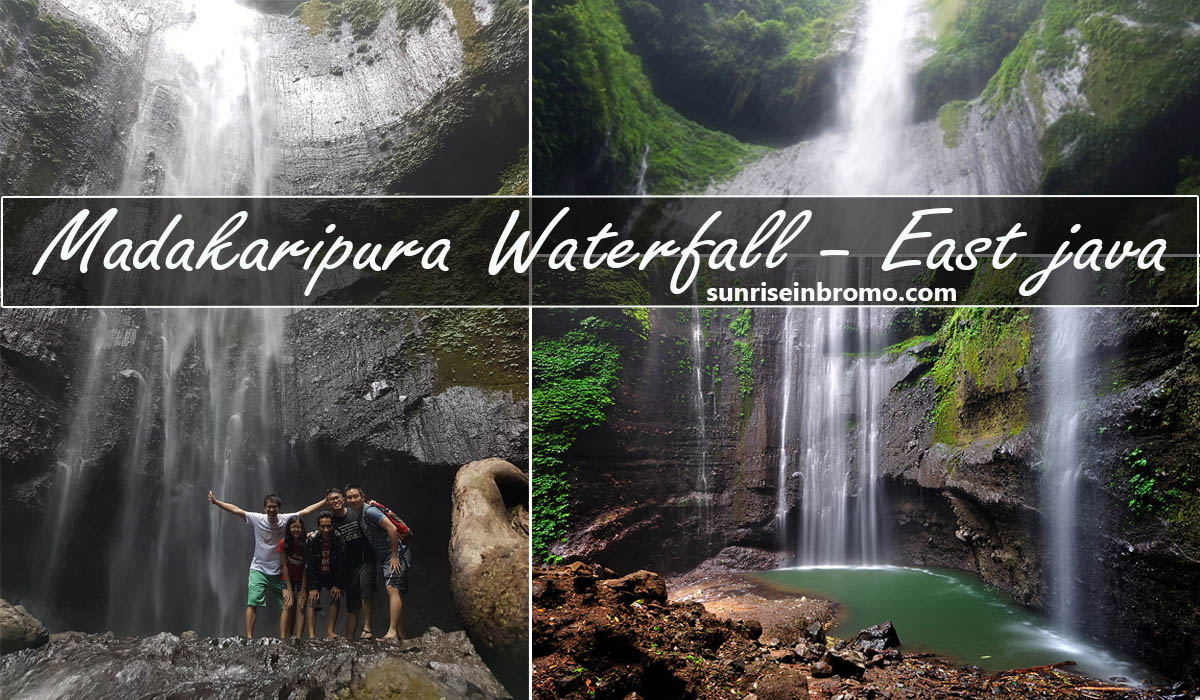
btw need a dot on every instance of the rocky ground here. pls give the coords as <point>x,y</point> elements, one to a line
<point>596,635</point>
<point>75,665</point>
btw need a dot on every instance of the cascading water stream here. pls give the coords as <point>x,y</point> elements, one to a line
<point>788,353</point>
<point>874,110</point>
<point>207,378</point>
<point>1060,462</point>
<point>701,423</point>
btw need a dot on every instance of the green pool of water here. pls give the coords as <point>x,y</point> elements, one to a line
<point>948,612</point>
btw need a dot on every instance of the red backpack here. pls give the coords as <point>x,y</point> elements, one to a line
<point>404,530</point>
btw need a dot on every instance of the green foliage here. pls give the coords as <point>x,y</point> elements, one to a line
<point>364,16</point>
<point>318,15</point>
<point>63,52</point>
<point>479,347</point>
<point>973,39</point>
<point>596,116</point>
<point>743,351</point>
<point>574,374</point>
<point>760,70</point>
<point>743,354</point>
<point>740,326</point>
<point>416,14</point>
<point>1140,83</point>
<point>64,60</point>
<point>514,180</point>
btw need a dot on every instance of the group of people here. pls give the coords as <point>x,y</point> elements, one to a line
<point>291,566</point>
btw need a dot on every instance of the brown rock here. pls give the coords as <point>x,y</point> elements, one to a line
<point>785,683</point>
<point>489,556</point>
<point>18,629</point>
<point>645,585</point>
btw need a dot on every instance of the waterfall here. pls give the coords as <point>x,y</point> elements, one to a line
<point>824,458</point>
<point>701,424</point>
<point>869,382</point>
<point>877,104</point>
<point>840,494</point>
<point>640,188</point>
<point>788,354</point>
<point>1060,462</point>
<point>207,412</point>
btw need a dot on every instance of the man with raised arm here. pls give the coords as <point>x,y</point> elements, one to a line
<point>265,570</point>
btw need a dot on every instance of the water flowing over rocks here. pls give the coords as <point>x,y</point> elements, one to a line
<point>75,665</point>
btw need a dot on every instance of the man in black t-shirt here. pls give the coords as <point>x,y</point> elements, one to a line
<point>360,561</point>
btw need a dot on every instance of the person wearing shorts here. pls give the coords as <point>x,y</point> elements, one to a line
<point>264,582</point>
<point>394,562</point>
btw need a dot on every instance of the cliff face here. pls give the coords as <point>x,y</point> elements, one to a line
<point>353,98</point>
<point>965,497</point>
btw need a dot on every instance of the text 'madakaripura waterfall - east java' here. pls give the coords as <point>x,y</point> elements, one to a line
<point>207,408</point>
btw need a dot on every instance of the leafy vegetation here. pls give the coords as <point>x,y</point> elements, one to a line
<point>972,39</point>
<point>596,118</point>
<point>1141,86</point>
<point>574,373</point>
<point>743,351</point>
<point>760,70</point>
<point>951,117</point>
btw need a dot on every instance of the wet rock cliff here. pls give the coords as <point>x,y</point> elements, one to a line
<point>355,97</point>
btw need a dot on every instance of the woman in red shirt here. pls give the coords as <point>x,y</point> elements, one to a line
<point>291,555</point>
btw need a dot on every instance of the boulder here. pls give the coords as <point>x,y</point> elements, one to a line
<point>19,630</point>
<point>489,559</point>
<point>876,639</point>
<point>846,663</point>
<point>782,684</point>
<point>644,585</point>
<point>395,678</point>
<point>814,633</point>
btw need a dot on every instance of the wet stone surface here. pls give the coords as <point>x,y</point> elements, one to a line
<point>76,665</point>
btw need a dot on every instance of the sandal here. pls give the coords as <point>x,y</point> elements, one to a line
<point>366,636</point>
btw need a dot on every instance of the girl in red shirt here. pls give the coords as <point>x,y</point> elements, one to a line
<point>291,555</point>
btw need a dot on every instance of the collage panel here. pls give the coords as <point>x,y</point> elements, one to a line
<point>206,475</point>
<point>992,498</point>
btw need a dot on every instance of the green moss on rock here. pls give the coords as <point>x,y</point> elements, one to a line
<point>596,116</point>
<point>983,351</point>
<point>951,118</point>
<point>416,15</point>
<point>318,16</point>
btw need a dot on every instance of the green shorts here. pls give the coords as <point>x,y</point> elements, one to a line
<point>260,587</point>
